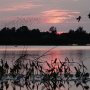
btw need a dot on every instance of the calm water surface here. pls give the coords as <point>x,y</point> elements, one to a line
<point>48,53</point>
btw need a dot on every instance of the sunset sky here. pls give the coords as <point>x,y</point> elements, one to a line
<point>43,14</point>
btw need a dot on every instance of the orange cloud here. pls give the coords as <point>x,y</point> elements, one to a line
<point>57,16</point>
<point>46,17</point>
<point>21,6</point>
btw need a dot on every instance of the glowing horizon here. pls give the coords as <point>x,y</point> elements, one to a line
<point>43,14</point>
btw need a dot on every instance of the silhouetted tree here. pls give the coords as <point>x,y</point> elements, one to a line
<point>80,30</point>
<point>53,30</point>
<point>24,36</point>
<point>71,31</point>
<point>23,29</point>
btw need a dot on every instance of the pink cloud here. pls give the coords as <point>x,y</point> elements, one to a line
<point>45,17</point>
<point>20,6</point>
<point>58,16</point>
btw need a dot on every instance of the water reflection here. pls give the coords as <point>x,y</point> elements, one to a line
<point>52,57</point>
<point>33,75</point>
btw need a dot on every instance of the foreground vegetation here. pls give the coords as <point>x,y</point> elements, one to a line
<point>32,75</point>
<point>25,36</point>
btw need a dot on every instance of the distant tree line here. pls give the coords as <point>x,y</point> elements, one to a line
<point>24,36</point>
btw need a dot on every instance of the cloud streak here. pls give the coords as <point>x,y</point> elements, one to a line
<point>53,16</point>
<point>17,7</point>
<point>58,16</point>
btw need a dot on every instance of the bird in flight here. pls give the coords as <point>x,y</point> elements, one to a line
<point>79,18</point>
<point>89,15</point>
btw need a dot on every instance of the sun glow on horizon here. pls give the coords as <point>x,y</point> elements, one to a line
<point>60,32</point>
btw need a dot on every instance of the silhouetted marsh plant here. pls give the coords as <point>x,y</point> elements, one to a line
<point>34,76</point>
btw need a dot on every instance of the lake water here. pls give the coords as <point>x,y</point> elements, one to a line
<point>47,53</point>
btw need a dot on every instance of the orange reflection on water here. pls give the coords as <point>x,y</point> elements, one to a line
<point>54,55</point>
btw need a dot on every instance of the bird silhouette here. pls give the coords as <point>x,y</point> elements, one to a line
<point>79,18</point>
<point>89,15</point>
